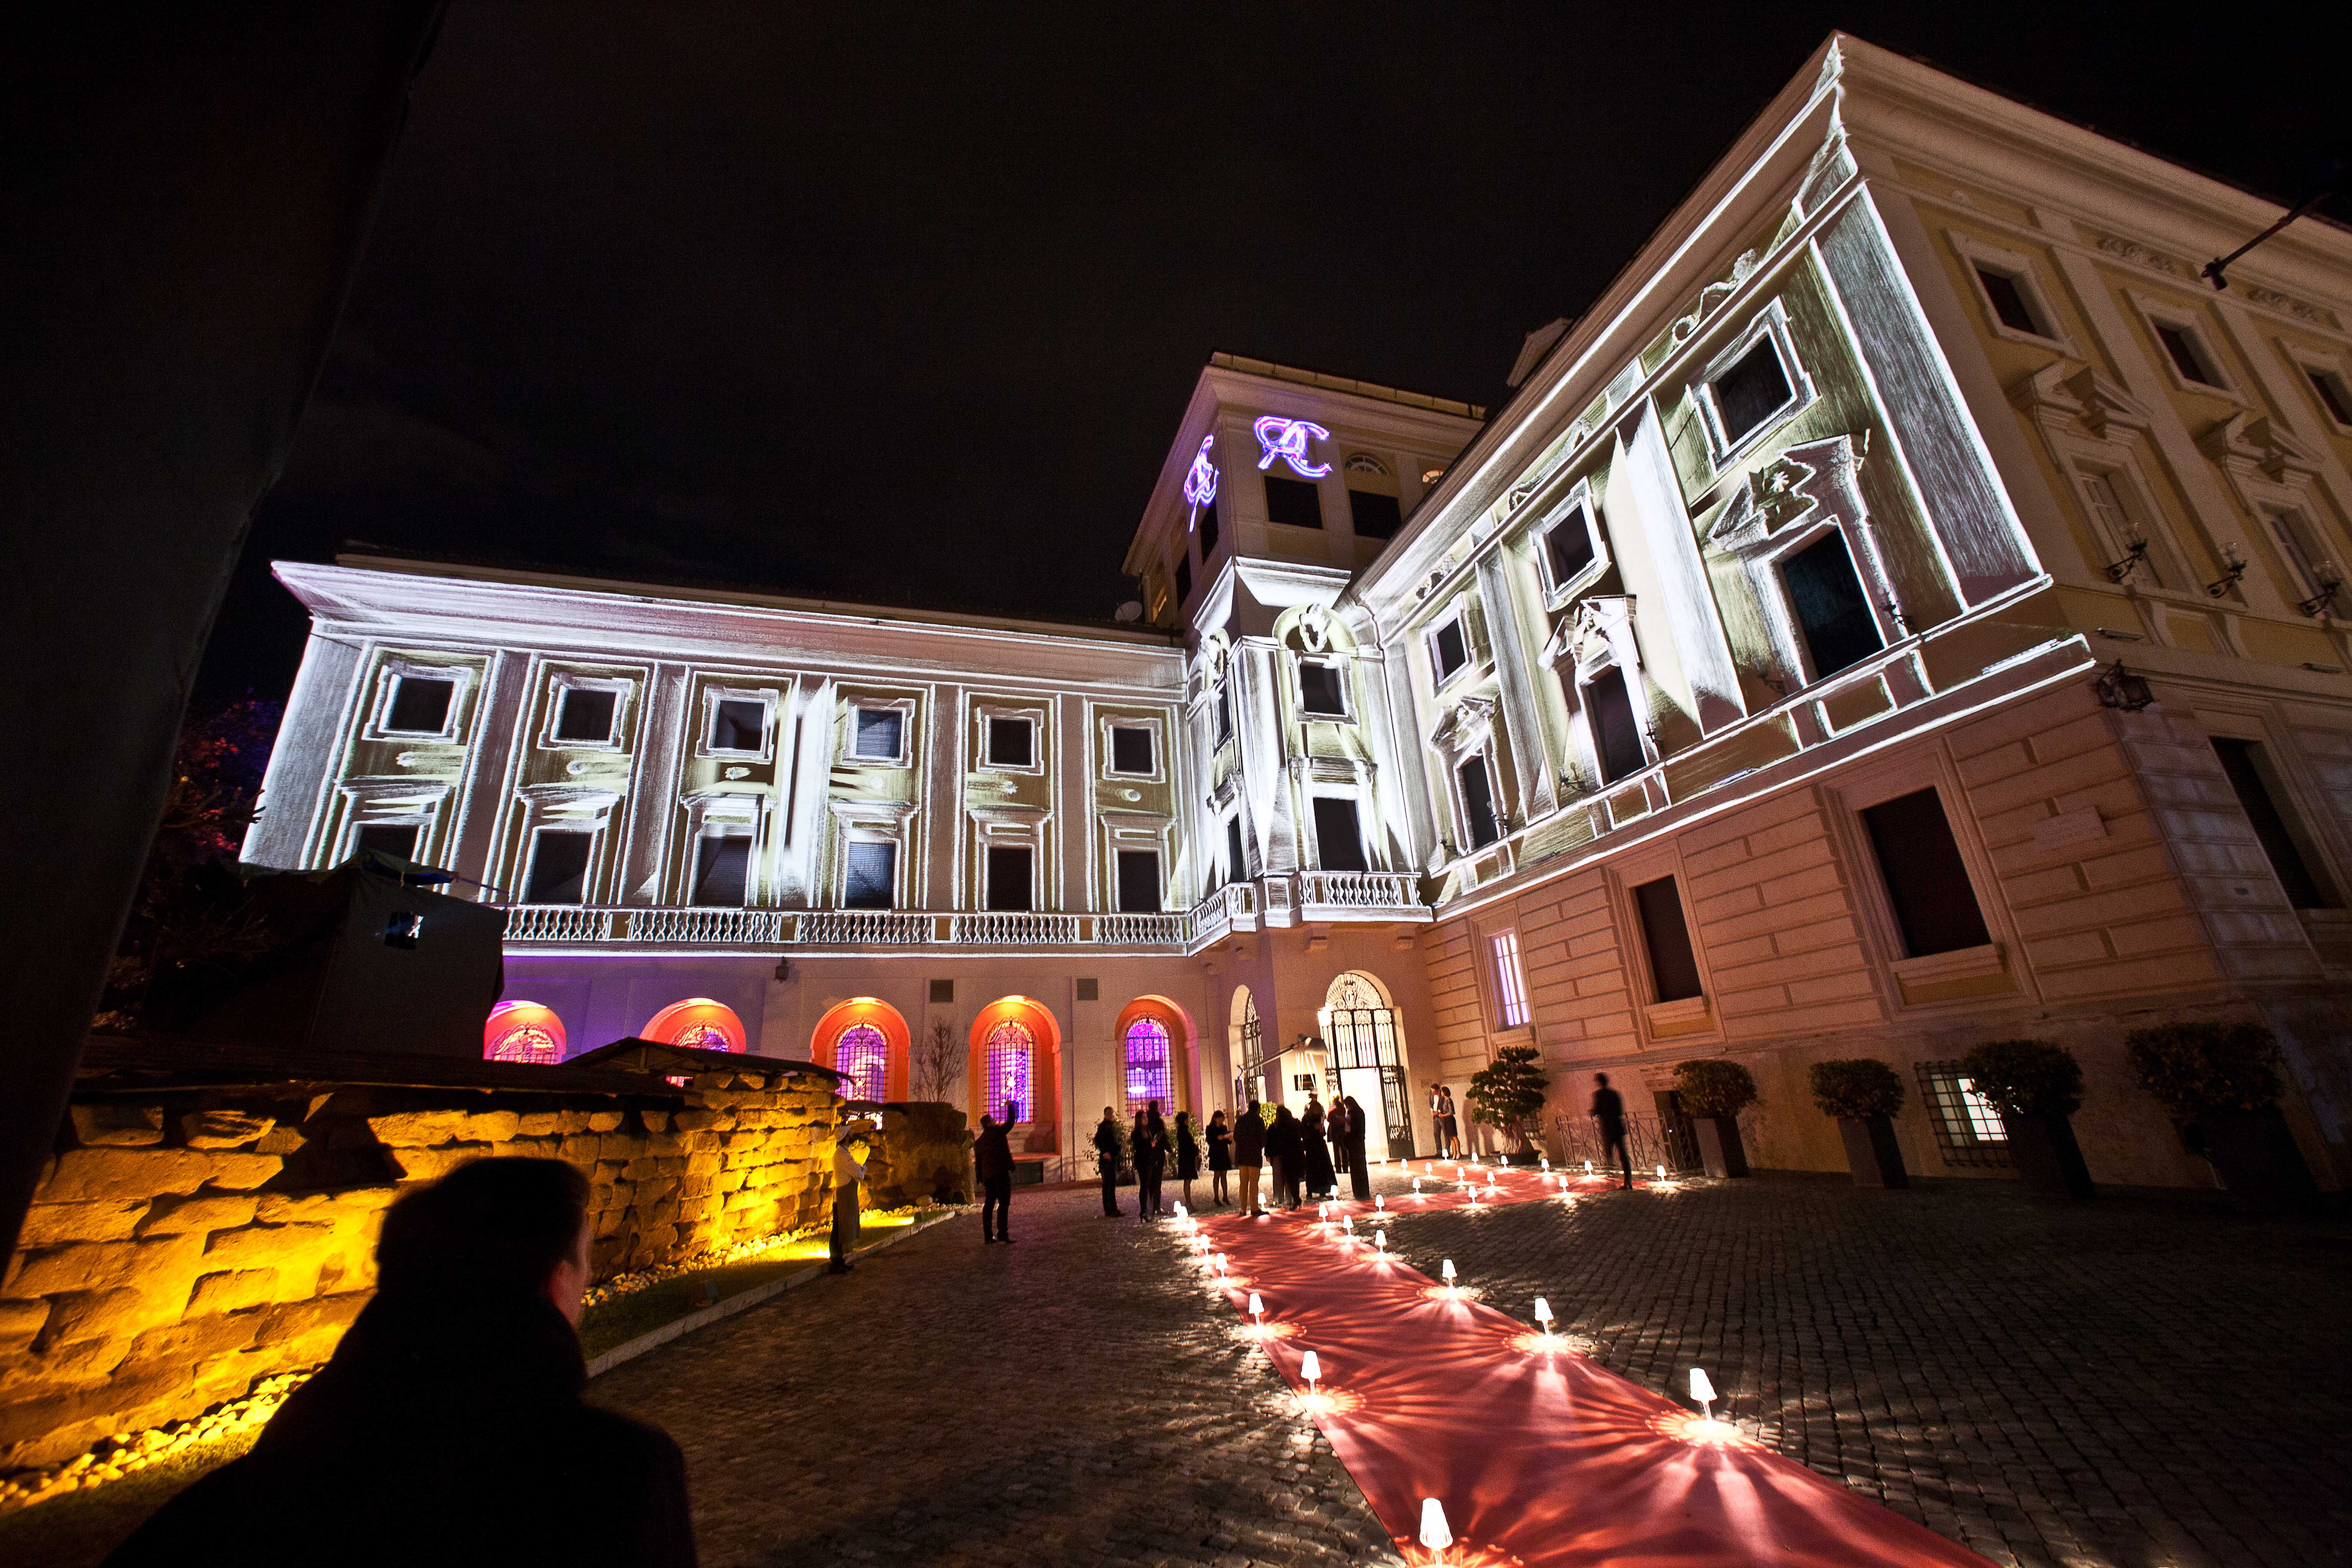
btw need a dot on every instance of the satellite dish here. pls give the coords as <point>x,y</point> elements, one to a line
<point>1130,611</point>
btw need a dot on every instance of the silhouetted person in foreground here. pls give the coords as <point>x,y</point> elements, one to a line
<point>1106,1141</point>
<point>848,1170</point>
<point>449,1425</point>
<point>1609,1111</point>
<point>991,1157</point>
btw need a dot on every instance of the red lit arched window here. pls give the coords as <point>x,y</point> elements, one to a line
<point>1012,1071</point>
<point>862,1056</point>
<point>1147,1078</point>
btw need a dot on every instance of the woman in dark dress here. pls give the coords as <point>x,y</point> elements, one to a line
<point>1151,1144</point>
<point>1318,1154</point>
<point>1188,1156</point>
<point>1359,1170</point>
<point>1220,1157</point>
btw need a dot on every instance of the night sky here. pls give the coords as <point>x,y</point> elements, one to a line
<point>902,304</point>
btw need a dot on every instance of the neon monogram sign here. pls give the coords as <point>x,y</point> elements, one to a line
<point>1287,439</point>
<point>1200,483</point>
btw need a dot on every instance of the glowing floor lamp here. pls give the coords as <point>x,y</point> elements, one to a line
<point>1704,1392</point>
<point>1311,1370</point>
<point>1434,1533</point>
<point>1543,1315</point>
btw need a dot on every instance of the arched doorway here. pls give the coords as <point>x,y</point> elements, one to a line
<point>522,1032</point>
<point>1246,1042</point>
<point>1016,1058</point>
<point>865,1039</point>
<point>1156,1050</point>
<point>698,1022</point>
<point>1366,1058</point>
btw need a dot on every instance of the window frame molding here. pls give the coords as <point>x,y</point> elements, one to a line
<point>1355,788</point>
<point>986,712</point>
<point>2312,363</point>
<point>1771,323</point>
<point>846,753</point>
<point>2156,310</point>
<point>624,711</point>
<point>871,825</point>
<point>1153,724</point>
<point>570,807</point>
<point>1456,614</point>
<point>2090,426</point>
<point>455,721</point>
<point>1338,663</point>
<point>1491,998</point>
<point>727,805</point>
<point>420,803</point>
<point>713,694</point>
<point>1556,593</point>
<point>1599,635</point>
<point>2020,270</point>
<point>1687,1019</point>
<point>2317,833</point>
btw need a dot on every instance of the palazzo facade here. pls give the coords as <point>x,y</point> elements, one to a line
<point>1904,611</point>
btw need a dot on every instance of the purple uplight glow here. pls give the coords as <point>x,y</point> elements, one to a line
<point>1200,482</point>
<point>1287,439</point>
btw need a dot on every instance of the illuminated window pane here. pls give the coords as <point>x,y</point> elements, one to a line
<point>526,1043</point>
<point>1147,1078</point>
<point>861,1057</point>
<point>1510,984</point>
<point>1012,1072</point>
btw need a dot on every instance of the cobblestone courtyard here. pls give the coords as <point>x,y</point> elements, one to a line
<point>2130,1383</point>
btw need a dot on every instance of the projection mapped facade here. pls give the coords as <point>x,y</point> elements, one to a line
<point>1903,611</point>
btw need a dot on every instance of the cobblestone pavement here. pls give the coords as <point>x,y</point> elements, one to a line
<point>2130,1381</point>
<point>1077,1397</point>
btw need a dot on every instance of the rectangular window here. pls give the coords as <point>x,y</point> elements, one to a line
<point>1205,520</point>
<point>2008,303</point>
<point>1225,712</point>
<point>1477,803</point>
<point>1008,877</point>
<point>1510,984</point>
<point>2334,395</point>
<point>1293,501</point>
<point>1616,735</point>
<point>942,993</point>
<point>1752,390</point>
<point>1568,548</point>
<point>559,867</point>
<point>420,705</point>
<point>870,876</point>
<point>1832,612</point>
<point>740,725</point>
<point>586,713</point>
<point>1319,691</point>
<point>1130,749</point>
<point>1927,882</point>
<point>878,735</point>
<point>1673,965</point>
<point>1374,516</point>
<point>1449,650</point>
<point>722,870</point>
<point>1968,1129</point>
<point>2246,766</point>
<point>2291,530</point>
<point>1184,578</point>
<point>1138,882</point>
<point>2187,353</point>
<point>1011,743</point>
<point>1236,864</point>
<point>397,839</point>
<point>1338,834</point>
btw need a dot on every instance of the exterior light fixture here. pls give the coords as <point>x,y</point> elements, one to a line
<point>1256,1310</point>
<point>1417,1186</point>
<point>1380,1201</point>
<point>1546,1163</point>
<point>1347,1224</point>
<point>2133,560</point>
<point>1311,1370</point>
<point>1587,1167</point>
<point>1287,439</point>
<point>1435,1533</point>
<point>1662,1172</point>
<point>2322,601</point>
<point>1704,1392</point>
<point>2119,688</point>
<point>1380,1240</point>
<point>1543,1314</point>
<point>2233,566</point>
<point>1448,1272</point>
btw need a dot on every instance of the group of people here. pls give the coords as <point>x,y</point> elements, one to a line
<point>1150,1147</point>
<point>1308,1153</point>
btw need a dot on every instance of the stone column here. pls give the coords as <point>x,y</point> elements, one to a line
<point>1531,753</point>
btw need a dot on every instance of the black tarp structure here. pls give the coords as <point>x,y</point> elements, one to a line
<point>186,193</point>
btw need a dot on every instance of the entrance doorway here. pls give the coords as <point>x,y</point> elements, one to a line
<point>1365,1057</point>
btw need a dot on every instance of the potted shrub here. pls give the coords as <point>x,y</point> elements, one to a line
<point>1865,1095</point>
<point>1715,1092</point>
<point>2224,1079</point>
<point>2036,1085</point>
<point>1509,1094</point>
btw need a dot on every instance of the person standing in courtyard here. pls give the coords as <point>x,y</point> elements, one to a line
<point>1283,1152</point>
<point>848,1170</point>
<point>1107,1160</point>
<point>1449,1128</point>
<point>1609,1112</point>
<point>1359,1170</point>
<point>1336,1127</point>
<point>1188,1156</point>
<point>449,1424</point>
<point>992,1157</point>
<point>1149,1142</point>
<point>1249,1157</point>
<point>1315,1154</point>
<point>1220,1157</point>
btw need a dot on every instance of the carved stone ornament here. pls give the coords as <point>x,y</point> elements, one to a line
<point>1597,629</point>
<point>2054,398</point>
<point>2273,299</point>
<point>2140,254</point>
<point>2250,439</point>
<point>1315,628</point>
<point>1211,661</point>
<point>1460,727</point>
<point>1715,294</point>
<point>1806,479</point>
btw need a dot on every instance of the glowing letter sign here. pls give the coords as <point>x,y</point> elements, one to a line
<point>1287,439</point>
<point>1200,483</point>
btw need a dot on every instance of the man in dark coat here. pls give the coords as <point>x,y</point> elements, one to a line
<point>1609,1111</point>
<point>1284,1152</point>
<point>1360,1171</point>
<point>449,1425</point>
<point>1107,1142</point>
<point>992,1156</point>
<point>1249,1155</point>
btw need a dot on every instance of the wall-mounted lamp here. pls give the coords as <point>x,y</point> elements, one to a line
<point>2324,602</point>
<point>2119,688</point>
<point>2234,561</point>
<point>2133,560</point>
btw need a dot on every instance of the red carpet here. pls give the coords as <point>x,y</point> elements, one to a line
<point>1539,1456</point>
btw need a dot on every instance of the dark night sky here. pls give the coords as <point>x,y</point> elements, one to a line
<point>903,304</point>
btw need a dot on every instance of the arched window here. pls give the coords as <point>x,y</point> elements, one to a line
<point>1147,1079</point>
<point>699,1024</point>
<point>861,1054</point>
<point>522,1032</point>
<point>1012,1071</point>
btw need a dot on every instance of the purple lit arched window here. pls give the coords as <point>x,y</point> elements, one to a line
<point>1146,1066</point>
<point>1012,1071</point>
<point>863,1058</point>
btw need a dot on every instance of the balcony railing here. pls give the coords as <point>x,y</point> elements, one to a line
<point>1231,908</point>
<point>1131,931</point>
<point>1383,891</point>
<point>866,928</point>
<point>1001,928</point>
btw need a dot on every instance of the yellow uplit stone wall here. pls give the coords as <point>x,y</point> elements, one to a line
<point>187,1244</point>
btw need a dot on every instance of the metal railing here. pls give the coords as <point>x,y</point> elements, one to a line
<point>1650,1141</point>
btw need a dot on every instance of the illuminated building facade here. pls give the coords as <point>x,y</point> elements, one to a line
<point>1904,611</point>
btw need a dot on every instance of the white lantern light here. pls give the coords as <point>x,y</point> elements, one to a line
<point>1543,1314</point>
<point>1546,1163</point>
<point>1587,1167</point>
<point>1347,1224</point>
<point>1380,1240</point>
<point>1257,1309</point>
<point>1311,1370</point>
<point>1416,1184</point>
<point>1662,1172</point>
<point>1704,1392</point>
<point>1434,1533</point>
<point>1448,1271</point>
<point>1380,1201</point>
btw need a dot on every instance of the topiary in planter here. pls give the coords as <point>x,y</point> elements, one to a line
<point>1715,1087</point>
<point>2195,1069</point>
<point>1860,1086</point>
<point>2026,1078</point>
